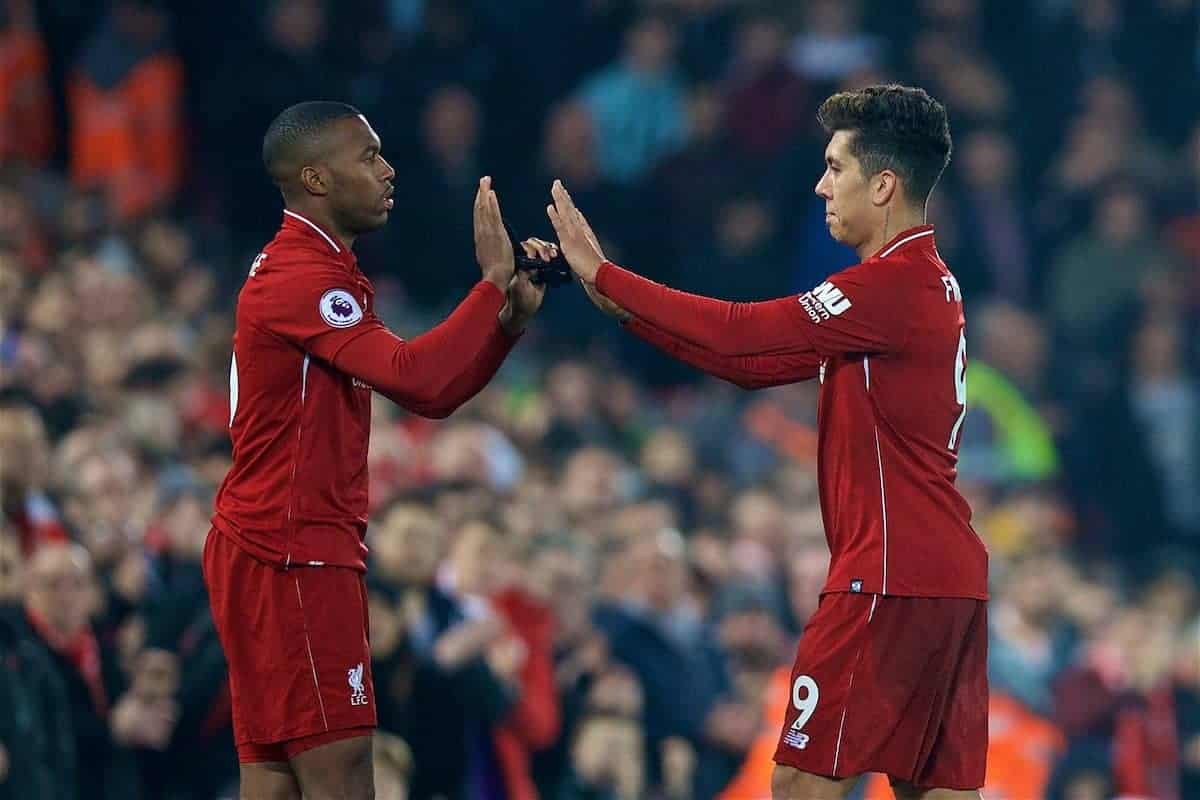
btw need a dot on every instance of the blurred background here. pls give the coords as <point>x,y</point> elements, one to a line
<point>588,584</point>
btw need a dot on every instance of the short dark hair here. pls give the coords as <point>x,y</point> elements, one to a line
<point>895,127</point>
<point>290,137</point>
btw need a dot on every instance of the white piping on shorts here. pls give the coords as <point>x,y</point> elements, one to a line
<point>311,661</point>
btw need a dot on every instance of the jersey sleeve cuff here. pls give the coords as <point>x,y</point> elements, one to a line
<point>604,274</point>
<point>491,292</point>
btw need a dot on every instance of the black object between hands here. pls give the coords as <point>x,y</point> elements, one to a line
<point>555,272</point>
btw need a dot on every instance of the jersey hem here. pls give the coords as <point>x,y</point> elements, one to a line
<point>925,595</point>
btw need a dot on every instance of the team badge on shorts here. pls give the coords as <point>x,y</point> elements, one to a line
<point>358,695</point>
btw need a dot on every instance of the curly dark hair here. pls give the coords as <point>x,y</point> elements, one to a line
<point>900,128</point>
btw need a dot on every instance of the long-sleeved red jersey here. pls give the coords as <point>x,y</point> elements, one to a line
<point>308,350</point>
<point>887,340</point>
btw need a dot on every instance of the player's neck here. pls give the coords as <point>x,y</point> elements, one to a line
<point>324,221</point>
<point>893,222</point>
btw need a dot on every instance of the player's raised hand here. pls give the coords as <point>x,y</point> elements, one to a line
<point>493,250</point>
<point>575,237</point>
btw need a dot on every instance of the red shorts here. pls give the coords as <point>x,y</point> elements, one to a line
<point>296,644</point>
<point>896,685</point>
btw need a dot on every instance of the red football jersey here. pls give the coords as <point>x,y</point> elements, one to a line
<point>308,350</point>
<point>887,340</point>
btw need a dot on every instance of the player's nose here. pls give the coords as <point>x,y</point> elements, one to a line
<point>389,170</point>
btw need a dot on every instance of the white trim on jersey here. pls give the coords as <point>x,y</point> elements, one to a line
<point>313,225</point>
<point>299,439</point>
<point>312,662</point>
<point>903,241</point>
<point>233,388</point>
<point>867,370</point>
<point>883,505</point>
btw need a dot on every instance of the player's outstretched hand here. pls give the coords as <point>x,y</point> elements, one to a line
<point>493,250</point>
<point>579,244</point>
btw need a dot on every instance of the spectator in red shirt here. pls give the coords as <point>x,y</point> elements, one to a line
<point>26,116</point>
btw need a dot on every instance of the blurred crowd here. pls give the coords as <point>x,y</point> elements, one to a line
<point>588,584</point>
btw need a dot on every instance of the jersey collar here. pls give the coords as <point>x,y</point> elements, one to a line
<point>306,227</point>
<point>921,236</point>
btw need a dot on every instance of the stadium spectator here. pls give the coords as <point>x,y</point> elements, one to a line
<point>126,106</point>
<point>182,659</point>
<point>1166,406</point>
<point>441,182</point>
<point>487,581</point>
<point>289,53</point>
<point>24,477</point>
<point>37,745</point>
<point>1029,644</point>
<point>637,102</point>
<point>436,690</point>
<point>570,147</point>
<point>1009,439</point>
<point>765,95</point>
<point>26,106</point>
<point>107,722</point>
<point>1091,284</point>
<point>833,44</point>
<point>656,633</point>
<point>997,228</point>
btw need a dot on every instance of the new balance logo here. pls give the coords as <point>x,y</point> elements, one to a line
<point>794,738</point>
<point>824,301</point>
<point>358,695</point>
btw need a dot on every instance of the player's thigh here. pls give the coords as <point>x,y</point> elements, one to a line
<point>340,770</point>
<point>906,791</point>
<point>268,781</point>
<point>789,783</point>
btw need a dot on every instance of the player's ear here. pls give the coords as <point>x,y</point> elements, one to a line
<point>314,180</point>
<point>883,187</point>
